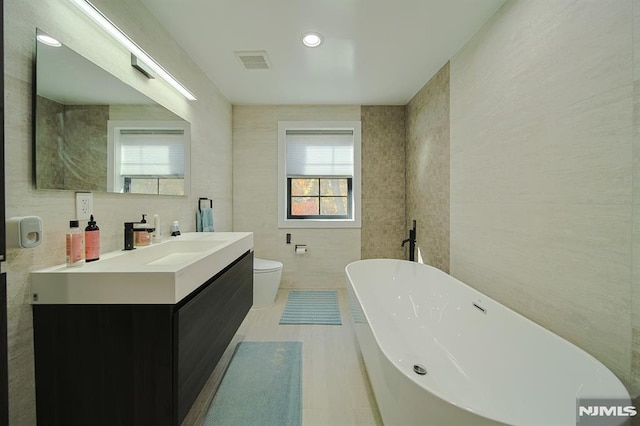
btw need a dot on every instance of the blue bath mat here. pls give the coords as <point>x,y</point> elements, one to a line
<point>262,386</point>
<point>312,307</point>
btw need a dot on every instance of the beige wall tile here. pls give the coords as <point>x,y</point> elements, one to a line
<point>636,270</point>
<point>383,182</point>
<point>635,146</point>
<point>635,283</point>
<point>383,228</point>
<point>541,173</point>
<point>577,155</point>
<point>636,39</point>
<point>635,367</point>
<point>427,175</point>
<point>552,54</point>
<point>566,267</point>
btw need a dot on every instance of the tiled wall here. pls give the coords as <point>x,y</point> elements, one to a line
<point>210,119</point>
<point>635,323</point>
<point>427,169</point>
<point>383,182</point>
<point>255,198</point>
<point>50,128</point>
<point>71,147</point>
<point>542,198</point>
<point>85,147</point>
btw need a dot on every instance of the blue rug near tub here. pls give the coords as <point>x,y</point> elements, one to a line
<point>262,386</point>
<point>312,307</point>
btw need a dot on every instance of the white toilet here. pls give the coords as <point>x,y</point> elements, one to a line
<point>266,280</point>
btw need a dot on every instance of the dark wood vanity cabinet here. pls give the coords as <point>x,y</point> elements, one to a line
<point>135,364</point>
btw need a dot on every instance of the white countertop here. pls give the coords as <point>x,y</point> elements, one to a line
<point>161,273</point>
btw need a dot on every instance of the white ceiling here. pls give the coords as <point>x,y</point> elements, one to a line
<point>376,52</point>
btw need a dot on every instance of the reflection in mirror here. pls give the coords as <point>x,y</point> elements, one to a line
<point>146,157</point>
<point>91,128</point>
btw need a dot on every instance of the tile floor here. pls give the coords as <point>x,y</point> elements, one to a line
<point>335,388</point>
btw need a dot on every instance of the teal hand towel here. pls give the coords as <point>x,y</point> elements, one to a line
<point>198,221</point>
<point>204,220</point>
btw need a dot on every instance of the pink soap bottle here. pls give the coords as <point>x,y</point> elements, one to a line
<point>75,244</point>
<point>92,241</point>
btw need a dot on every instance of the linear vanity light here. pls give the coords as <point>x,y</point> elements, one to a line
<point>142,67</point>
<point>98,17</point>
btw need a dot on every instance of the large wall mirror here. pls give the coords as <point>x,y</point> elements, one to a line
<point>95,133</point>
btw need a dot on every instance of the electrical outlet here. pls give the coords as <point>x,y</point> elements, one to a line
<point>84,205</point>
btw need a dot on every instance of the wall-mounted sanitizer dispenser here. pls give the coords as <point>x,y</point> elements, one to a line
<point>24,232</point>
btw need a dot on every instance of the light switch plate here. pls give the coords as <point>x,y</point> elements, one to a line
<point>84,205</point>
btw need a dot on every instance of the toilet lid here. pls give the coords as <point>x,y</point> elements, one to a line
<point>262,265</point>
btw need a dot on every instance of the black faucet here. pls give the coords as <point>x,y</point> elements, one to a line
<point>128,236</point>
<point>412,242</point>
<point>129,231</point>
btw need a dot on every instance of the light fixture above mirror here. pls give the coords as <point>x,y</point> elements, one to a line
<point>98,17</point>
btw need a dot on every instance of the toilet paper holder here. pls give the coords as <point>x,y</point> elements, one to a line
<point>301,248</point>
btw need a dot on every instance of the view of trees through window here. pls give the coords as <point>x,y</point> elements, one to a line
<point>319,197</point>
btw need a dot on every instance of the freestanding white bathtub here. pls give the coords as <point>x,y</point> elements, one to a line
<point>484,363</point>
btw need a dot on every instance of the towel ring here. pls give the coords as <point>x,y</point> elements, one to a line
<point>201,199</point>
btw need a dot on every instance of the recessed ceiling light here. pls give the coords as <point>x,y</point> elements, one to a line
<point>48,40</point>
<point>312,39</point>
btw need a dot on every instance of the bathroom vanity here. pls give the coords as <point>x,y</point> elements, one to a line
<point>102,361</point>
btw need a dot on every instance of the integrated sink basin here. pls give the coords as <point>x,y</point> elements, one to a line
<point>160,273</point>
<point>181,251</point>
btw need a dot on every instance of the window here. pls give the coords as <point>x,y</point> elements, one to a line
<point>149,158</point>
<point>319,168</point>
<point>319,198</point>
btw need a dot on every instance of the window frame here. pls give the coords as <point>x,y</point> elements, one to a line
<point>354,203</point>
<point>349,198</point>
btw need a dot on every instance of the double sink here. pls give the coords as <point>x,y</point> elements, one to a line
<point>162,273</point>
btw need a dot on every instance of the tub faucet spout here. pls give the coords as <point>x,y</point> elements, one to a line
<point>412,242</point>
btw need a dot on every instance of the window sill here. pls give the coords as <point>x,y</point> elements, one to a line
<point>319,223</point>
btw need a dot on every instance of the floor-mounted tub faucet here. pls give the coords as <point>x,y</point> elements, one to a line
<point>412,242</point>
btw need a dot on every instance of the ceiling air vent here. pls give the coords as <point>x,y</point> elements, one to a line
<point>256,60</point>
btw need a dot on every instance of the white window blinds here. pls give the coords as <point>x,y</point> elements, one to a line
<point>152,152</point>
<point>319,153</point>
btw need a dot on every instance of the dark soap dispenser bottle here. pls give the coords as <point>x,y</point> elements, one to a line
<point>92,241</point>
